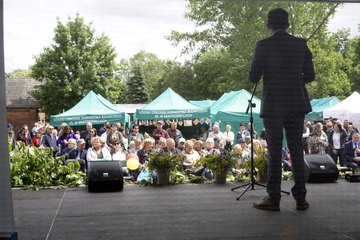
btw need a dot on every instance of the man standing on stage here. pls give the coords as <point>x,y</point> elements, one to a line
<point>285,64</point>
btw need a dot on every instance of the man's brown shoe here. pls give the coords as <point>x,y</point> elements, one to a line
<point>267,204</point>
<point>302,204</point>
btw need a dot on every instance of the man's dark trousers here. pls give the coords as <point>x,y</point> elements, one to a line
<point>293,125</point>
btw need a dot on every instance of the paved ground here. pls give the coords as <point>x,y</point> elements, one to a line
<point>203,211</point>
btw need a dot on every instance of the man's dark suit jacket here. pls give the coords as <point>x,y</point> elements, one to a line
<point>349,152</point>
<point>73,154</point>
<point>285,62</point>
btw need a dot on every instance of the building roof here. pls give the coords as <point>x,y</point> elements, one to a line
<point>130,108</point>
<point>18,92</point>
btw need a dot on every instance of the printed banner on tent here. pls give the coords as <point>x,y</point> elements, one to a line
<point>82,120</point>
<point>177,114</point>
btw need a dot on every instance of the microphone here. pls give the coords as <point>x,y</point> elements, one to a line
<point>248,107</point>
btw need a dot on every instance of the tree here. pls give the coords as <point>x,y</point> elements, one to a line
<point>136,89</point>
<point>19,73</point>
<point>229,30</point>
<point>76,62</point>
<point>330,69</point>
<point>352,52</point>
<point>179,77</point>
<point>151,67</point>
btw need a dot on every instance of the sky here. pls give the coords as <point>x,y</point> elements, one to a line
<point>132,25</point>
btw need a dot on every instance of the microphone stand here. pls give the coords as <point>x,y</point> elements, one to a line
<point>252,183</point>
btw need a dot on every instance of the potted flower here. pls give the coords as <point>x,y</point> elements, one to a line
<point>260,163</point>
<point>220,163</point>
<point>163,164</point>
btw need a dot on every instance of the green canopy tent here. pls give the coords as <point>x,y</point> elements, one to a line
<point>170,105</point>
<point>231,109</point>
<point>318,106</point>
<point>203,103</point>
<point>90,109</point>
<point>114,107</point>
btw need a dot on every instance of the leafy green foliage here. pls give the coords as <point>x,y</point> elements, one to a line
<point>75,63</point>
<point>19,73</point>
<point>331,68</point>
<point>180,78</point>
<point>218,162</point>
<point>36,167</point>
<point>260,161</point>
<point>352,52</point>
<point>163,161</point>
<point>226,37</point>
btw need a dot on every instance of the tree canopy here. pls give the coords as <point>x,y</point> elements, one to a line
<point>76,62</point>
<point>228,32</point>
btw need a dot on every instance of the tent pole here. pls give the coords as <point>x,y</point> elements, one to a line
<point>7,225</point>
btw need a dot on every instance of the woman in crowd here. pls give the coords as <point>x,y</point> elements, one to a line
<point>118,153</point>
<point>114,134</point>
<point>337,139</point>
<point>209,145</point>
<point>147,149</point>
<point>24,135</point>
<point>318,140</point>
<point>198,146</point>
<point>36,140</point>
<point>63,139</point>
<point>190,156</point>
<point>97,152</point>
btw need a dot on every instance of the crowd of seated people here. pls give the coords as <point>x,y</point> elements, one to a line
<point>112,142</point>
<point>338,139</point>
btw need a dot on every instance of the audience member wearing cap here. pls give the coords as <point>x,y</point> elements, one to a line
<point>76,151</point>
<point>181,144</point>
<point>49,140</point>
<point>174,133</point>
<point>217,144</point>
<point>159,132</point>
<point>80,151</point>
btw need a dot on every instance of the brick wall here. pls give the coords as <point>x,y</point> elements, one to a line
<point>20,116</point>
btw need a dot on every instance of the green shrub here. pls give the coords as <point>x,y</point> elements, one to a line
<point>36,167</point>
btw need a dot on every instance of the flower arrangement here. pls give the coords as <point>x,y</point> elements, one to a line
<point>218,162</point>
<point>163,161</point>
<point>260,161</point>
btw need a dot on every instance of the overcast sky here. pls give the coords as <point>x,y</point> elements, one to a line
<point>132,25</point>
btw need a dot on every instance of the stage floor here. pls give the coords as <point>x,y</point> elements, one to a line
<point>186,211</point>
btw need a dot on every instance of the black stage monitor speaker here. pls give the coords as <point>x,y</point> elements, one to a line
<point>320,168</point>
<point>105,176</point>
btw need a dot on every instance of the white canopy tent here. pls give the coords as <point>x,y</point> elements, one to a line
<point>348,109</point>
